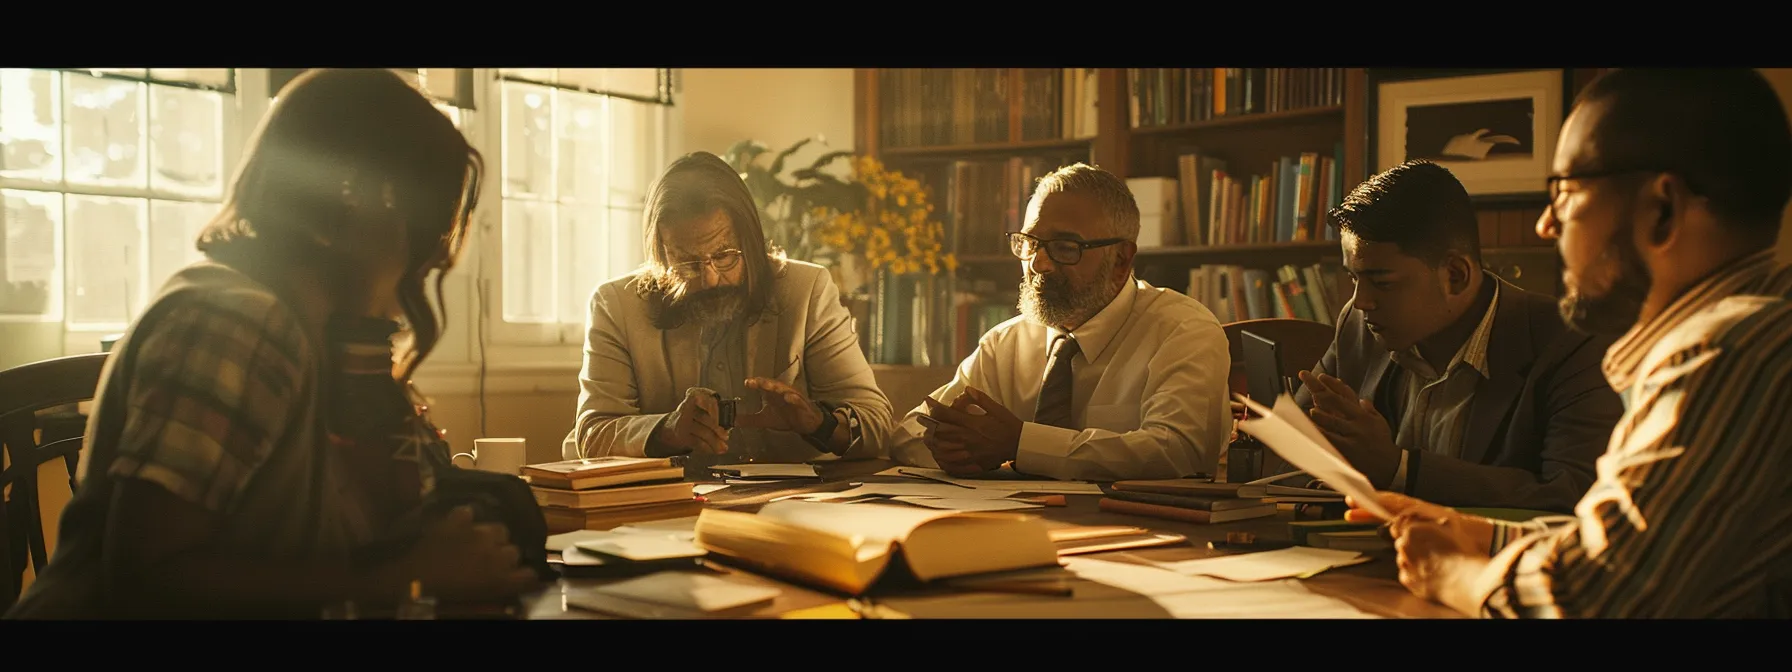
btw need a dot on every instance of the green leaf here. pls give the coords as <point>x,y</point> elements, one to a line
<point>778,162</point>
<point>741,155</point>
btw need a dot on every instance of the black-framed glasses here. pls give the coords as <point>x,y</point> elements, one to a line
<point>1062,251</point>
<point>1552,184</point>
<point>723,262</point>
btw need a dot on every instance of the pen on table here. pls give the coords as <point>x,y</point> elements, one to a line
<point>935,479</point>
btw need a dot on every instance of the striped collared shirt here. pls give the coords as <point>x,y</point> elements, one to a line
<point>1691,515</point>
<point>1434,405</point>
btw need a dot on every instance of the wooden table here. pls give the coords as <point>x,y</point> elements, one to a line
<point>1370,586</point>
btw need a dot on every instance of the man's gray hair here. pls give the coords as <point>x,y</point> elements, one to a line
<point>1111,192</point>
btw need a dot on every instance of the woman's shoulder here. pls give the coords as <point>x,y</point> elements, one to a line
<point>210,302</point>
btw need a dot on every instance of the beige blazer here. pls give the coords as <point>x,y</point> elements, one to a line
<point>631,377</point>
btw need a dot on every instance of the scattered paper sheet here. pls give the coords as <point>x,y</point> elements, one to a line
<point>1042,487</point>
<point>923,489</point>
<point>766,470</point>
<point>1292,435</point>
<point>983,504</point>
<point>560,542</point>
<point>819,496</point>
<point>1142,579</point>
<point>683,528</point>
<point>1298,562</point>
<point>644,547</point>
<point>706,488</point>
<point>1203,597</point>
<point>690,590</point>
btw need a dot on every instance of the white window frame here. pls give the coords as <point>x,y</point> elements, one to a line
<point>80,338</point>
<point>522,344</point>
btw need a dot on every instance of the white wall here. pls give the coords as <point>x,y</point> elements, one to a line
<point>776,106</point>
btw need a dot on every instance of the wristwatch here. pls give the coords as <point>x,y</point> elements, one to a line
<point>823,436</point>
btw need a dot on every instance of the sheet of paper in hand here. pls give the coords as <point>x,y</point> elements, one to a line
<point>1293,436</point>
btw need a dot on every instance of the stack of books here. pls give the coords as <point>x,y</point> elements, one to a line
<point>601,493</point>
<point>1189,500</point>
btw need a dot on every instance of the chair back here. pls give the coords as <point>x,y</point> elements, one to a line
<point>1303,343</point>
<point>32,435</point>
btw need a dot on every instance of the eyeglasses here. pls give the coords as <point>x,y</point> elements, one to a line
<point>1553,182</point>
<point>1061,251</point>
<point>723,262</point>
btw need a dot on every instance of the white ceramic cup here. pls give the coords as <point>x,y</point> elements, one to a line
<point>504,456</point>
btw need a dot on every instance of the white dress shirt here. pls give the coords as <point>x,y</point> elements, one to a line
<point>1149,391</point>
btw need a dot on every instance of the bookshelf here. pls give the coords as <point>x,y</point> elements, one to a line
<point>967,132</point>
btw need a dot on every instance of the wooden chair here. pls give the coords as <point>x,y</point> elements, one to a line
<point>28,444</point>
<point>1303,344</point>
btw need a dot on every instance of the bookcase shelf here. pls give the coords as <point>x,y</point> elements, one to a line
<point>1135,123</point>
<point>1328,113</point>
<point>1265,253</point>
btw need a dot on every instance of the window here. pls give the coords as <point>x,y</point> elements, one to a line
<point>107,176</point>
<point>579,148</point>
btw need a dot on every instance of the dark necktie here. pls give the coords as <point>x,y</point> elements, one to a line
<point>1054,394</point>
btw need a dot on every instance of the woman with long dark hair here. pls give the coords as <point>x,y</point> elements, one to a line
<point>253,433</point>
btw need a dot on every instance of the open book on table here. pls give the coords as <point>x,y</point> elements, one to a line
<point>850,547</point>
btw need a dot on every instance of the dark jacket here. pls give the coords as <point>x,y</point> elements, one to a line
<point>1535,427</point>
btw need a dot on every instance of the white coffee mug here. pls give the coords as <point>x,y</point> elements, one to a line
<point>504,456</point>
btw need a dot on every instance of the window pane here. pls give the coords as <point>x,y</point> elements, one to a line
<point>33,230</point>
<point>173,237</point>
<point>635,157</point>
<point>219,77</point>
<point>451,111</point>
<point>129,72</point>
<point>543,75</point>
<point>105,127</point>
<point>582,136</point>
<point>105,259</point>
<point>596,244</point>
<point>186,141</point>
<point>439,83</point>
<point>529,229</point>
<point>528,122</point>
<point>644,82</point>
<point>30,125</point>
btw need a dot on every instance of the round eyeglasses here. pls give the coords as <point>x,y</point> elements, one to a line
<point>723,262</point>
<point>1062,251</point>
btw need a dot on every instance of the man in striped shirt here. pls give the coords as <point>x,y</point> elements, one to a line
<point>1666,198</point>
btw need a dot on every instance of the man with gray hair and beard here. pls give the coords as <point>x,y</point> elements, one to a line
<point>714,317</point>
<point>1102,376</point>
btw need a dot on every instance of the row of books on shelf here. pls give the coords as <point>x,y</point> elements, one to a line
<point>1171,96</point>
<point>1315,292</point>
<point>962,106</point>
<point>984,199</point>
<point>898,328</point>
<point>1212,202</point>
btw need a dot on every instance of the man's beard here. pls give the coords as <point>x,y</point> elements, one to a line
<point>710,307</point>
<point>1616,311</point>
<point>1051,300</point>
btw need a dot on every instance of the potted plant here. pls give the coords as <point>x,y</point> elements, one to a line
<point>871,226</point>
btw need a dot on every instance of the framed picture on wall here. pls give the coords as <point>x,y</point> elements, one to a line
<point>1496,130</point>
